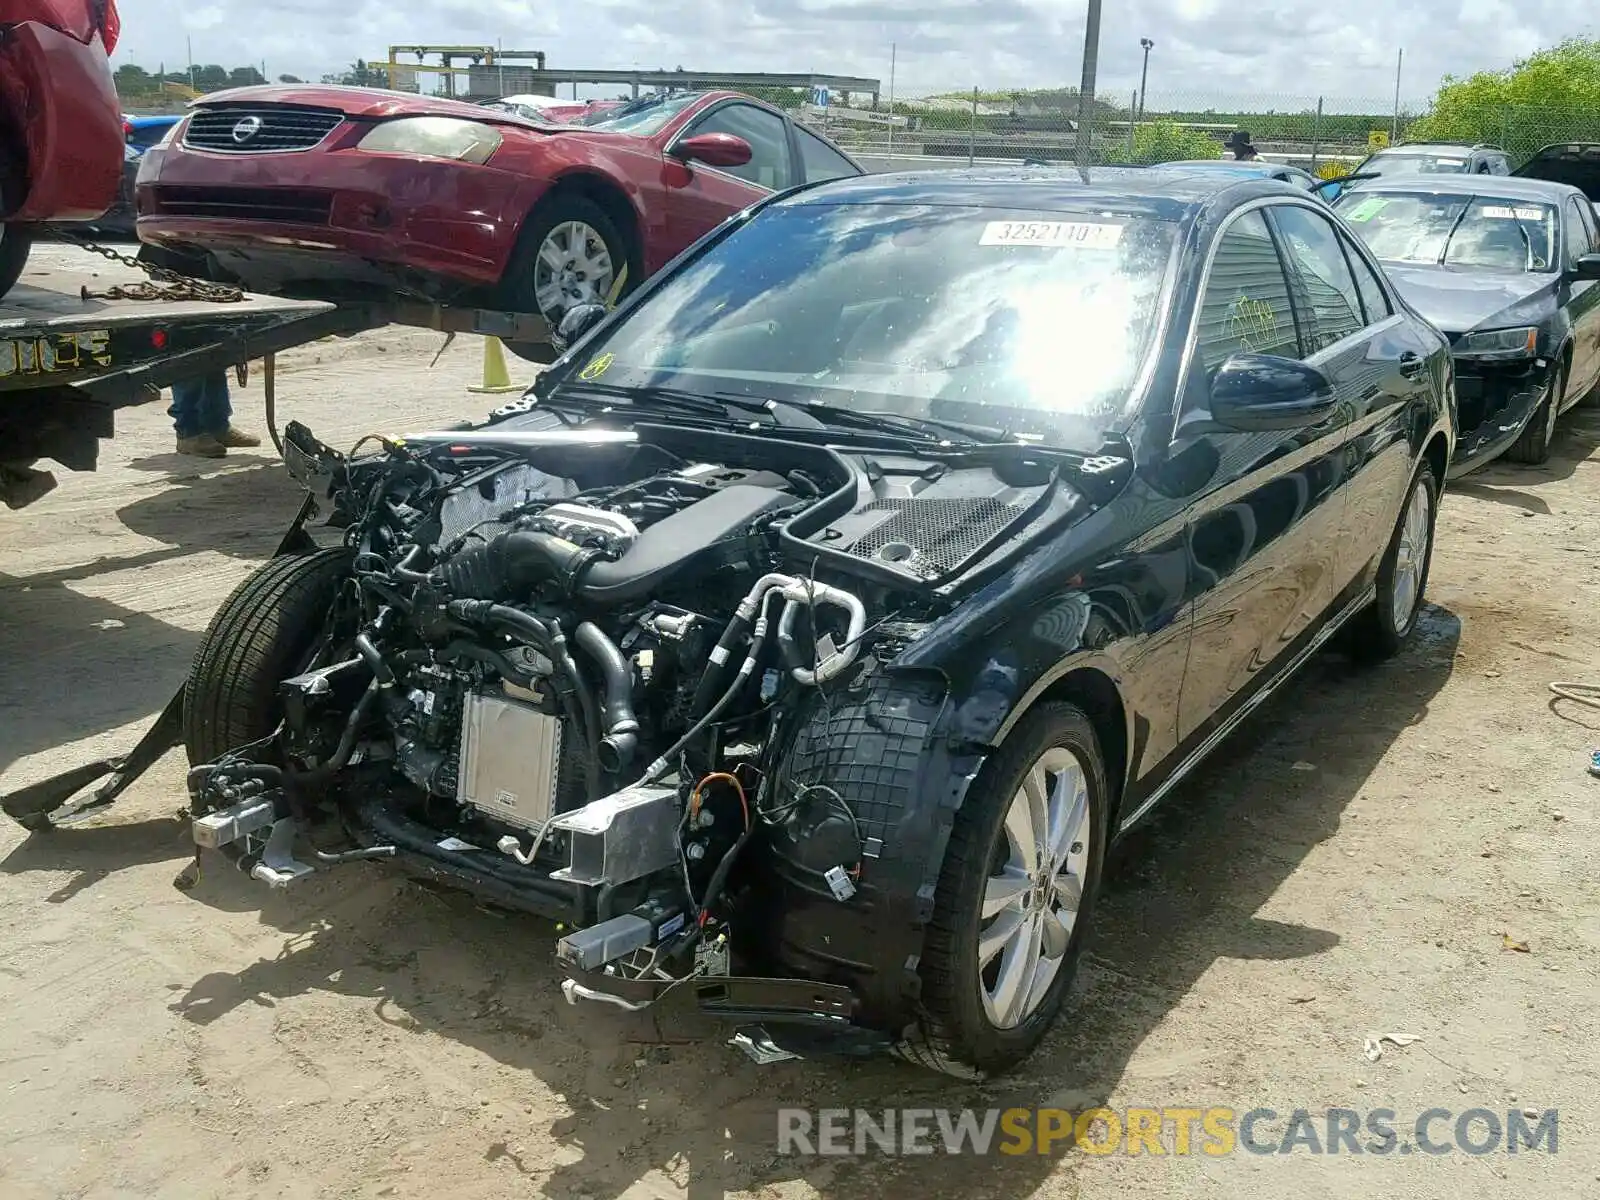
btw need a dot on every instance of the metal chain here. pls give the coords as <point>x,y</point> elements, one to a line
<point>163,284</point>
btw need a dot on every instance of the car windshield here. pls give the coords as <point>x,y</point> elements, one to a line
<point>642,117</point>
<point>1416,164</point>
<point>1036,323</point>
<point>1485,232</point>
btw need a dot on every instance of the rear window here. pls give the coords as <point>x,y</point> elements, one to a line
<point>1433,229</point>
<point>1419,164</point>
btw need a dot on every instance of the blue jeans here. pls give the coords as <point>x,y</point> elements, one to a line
<point>201,405</point>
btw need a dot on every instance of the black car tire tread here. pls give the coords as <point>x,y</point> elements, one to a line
<point>15,240</point>
<point>955,1037</point>
<point>1532,447</point>
<point>516,288</point>
<point>262,634</point>
<point>1372,636</point>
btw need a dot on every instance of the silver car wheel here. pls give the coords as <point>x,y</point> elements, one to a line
<point>1411,557</point>
<point>1031,904</point>
<point>573,266</point>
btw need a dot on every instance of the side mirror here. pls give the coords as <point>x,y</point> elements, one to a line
<point>1260,392</point>
<point>714,149</point>
<point>575,323</point>
<point>1587,267</point>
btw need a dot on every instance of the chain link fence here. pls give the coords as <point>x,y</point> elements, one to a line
<point>1324,134</point>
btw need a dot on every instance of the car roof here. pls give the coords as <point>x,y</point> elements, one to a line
<point>1172,195</point>
<point>1451,148</point>
<point>1511,187</point>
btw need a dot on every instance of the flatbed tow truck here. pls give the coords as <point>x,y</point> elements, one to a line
<point>76,345</point>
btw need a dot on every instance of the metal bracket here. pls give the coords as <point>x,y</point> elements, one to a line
<point>45,804</point>
<point>278,865</point>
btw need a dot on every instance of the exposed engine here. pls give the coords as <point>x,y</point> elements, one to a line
<point>565,669</point>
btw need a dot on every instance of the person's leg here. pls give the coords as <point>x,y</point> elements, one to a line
<point>219,415</point>
<point>189,419</point>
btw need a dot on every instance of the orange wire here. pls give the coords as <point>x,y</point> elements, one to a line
<point>694,796</point>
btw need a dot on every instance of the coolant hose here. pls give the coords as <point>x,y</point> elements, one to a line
<point>371,656</point>
<point>621,736</point>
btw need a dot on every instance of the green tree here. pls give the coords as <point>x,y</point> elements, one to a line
<point>245,77</point>
<point>1163,141</point>
<point>1550,96</point>
<point>290,79</point>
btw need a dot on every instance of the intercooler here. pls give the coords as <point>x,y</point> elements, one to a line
<point>510,760</point>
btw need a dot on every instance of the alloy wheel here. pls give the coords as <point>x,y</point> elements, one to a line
<point>1411,557</point>
<point>1035,888</point>
<point>573,266</point>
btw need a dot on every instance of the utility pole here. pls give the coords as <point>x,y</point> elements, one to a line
<point>1394,125</point>
<point>1091,56</point>
<point>189,43</point>
<point>1144,72</point>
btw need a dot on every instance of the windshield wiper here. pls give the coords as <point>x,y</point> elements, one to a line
<point>899,423</point>
<point>715,407</point>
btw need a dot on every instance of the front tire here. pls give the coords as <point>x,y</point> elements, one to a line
<point>1532,448</point>
<point>1383,627</point>
<point>570,252</point>
<point>15,240</point>
<point>1014,898</point>
<point>264,633</point>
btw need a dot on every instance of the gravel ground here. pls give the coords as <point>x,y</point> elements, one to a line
<point>1351,865</point>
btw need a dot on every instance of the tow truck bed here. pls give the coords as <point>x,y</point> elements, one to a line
<point>68,361</point>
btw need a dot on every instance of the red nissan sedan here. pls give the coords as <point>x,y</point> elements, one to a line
<point>61,140</point>
<point>333,192</point>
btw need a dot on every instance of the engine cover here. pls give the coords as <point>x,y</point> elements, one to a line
<point>510,760</point>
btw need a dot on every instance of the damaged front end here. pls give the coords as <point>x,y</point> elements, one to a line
<point>639,681</point>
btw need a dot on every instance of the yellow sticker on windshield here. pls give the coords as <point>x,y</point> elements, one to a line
<point>597,367</point>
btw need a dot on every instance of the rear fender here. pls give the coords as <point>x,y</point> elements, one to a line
<point>66,122</point>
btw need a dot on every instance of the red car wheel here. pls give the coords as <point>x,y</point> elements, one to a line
<point>570,253</point>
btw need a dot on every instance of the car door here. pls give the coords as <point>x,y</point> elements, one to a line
<point>1379,365</point>
<point>701,197</point>
<point>1582,298</point>
<point>1260,532</point>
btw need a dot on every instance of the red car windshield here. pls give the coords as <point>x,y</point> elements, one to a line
<point>81,19</point>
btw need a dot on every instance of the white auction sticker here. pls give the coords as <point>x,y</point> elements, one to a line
<point>1090,235</point>
<point>1501,213</point>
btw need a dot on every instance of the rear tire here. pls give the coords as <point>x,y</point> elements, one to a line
<point>264,633</point>
<point>976,1026</point>
<point>1382,628</point>
<point>568,226</point>
<point>1533,447</point>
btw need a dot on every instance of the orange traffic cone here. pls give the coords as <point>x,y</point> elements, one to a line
<point>496,379</point>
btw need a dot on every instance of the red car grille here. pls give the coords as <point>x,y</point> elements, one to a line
<point>304,206</point>
<point>263,129</point>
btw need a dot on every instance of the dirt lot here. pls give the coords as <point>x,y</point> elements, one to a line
<point>1349,867</point>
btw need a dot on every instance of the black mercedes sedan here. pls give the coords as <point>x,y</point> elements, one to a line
<point>808,633</point>
<point>1509,270</point>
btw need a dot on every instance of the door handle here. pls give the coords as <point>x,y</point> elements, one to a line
<point>1412,364</point>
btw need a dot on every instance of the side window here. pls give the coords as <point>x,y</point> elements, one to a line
<point>821,161</point>
<point>768,136</point>
<point>1373,299</point>
<point>1580,233</point>
<point>1246,306</point>
<point>1331,300</point>
<point>1483,166</point>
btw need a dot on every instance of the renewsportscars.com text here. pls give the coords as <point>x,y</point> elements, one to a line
<point>1212,1131</point>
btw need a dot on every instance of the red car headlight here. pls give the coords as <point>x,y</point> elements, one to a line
<point>434,137</point>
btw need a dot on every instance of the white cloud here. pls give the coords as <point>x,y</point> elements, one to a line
<point>1292,50</point>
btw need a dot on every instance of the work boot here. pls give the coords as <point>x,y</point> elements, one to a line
<point>237,438</point>
<point>202,446</point>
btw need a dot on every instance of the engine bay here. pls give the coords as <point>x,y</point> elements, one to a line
<point>564,670</point>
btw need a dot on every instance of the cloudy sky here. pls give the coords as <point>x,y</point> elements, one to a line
<point>1290,49</point>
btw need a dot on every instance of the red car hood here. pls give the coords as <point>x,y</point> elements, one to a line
<point>372,104</point>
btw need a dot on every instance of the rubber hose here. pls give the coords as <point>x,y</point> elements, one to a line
<point>374,660</point>
<point>621,737</point>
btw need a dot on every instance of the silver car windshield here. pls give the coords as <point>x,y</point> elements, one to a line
<point>1032,322</point>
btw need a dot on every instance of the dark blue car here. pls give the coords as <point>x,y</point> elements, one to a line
<point>841,597</point>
